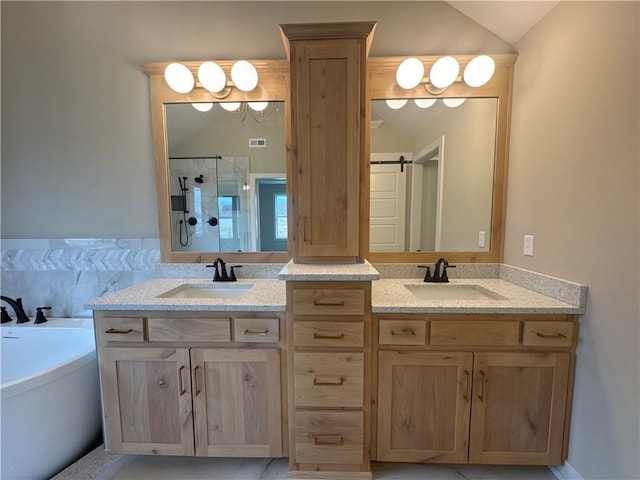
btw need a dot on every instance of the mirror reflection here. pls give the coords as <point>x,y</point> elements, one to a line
<point>227,177</point>
<point>432,170</point>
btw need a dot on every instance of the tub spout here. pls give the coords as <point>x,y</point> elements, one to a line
<point>21,316</point>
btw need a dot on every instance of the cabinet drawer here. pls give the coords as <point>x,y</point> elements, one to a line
<point>329,437</point>
<point>328,379</point>
<point>117,329</point>
<point>548,334</point>
<point>328,334</point>
<point>328,302</point>
<point>474,332</point>
<point>258,330</point>
<point>189,329</point>
<point>402,332</point>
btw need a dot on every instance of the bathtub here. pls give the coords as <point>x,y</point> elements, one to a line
<point>50,412</point>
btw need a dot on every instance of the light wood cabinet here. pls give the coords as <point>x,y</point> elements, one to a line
<point>329,415</point>
<point>505,399</point>
<point>518,407</point>
<point>423,406</point>
<point>327,176</point>
<point>177,385</point>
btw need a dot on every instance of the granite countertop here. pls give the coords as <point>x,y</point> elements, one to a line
<point>391,295</point>
<point>266,295</point>
<point>327,272</point>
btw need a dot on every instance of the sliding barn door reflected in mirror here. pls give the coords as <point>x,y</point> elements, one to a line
<point>432,176</point>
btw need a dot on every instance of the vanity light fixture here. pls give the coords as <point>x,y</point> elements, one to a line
<point>444,72</point>
<point>212,78</point>
<point>453,102</point>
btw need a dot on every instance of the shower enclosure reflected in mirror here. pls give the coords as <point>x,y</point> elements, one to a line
<point>432,175</point>
<point>227,178</point>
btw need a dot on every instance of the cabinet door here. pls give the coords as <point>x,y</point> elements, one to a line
<point>423,406</point>
<point>237,402</point>
<point>518,408</point>
<point>327,86</point>
<point>147,400</point>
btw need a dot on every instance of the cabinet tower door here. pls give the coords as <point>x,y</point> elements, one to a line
<point>236,396</point>
<point>327,88</point>
<point>147,400</point>
<point>518,408</point>
<point>424,404</point>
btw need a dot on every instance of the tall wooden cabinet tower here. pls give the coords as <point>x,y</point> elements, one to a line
<point>327,169</point>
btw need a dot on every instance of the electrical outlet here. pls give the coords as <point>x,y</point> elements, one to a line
<point>481,238</point>
<point>528,245</point>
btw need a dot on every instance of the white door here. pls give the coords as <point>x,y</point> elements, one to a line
<point>388,203</point>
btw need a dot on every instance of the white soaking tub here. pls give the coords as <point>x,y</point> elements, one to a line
<point>50,412</point>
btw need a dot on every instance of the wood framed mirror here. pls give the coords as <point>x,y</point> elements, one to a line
<point>205,169</point>
<point>451,206</point>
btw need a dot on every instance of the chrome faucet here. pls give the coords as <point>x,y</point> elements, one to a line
<point>21,316</point>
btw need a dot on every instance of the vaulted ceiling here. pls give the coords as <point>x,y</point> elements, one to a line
<point>509,20</point>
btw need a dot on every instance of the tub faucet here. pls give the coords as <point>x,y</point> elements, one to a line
<point>21,316</point>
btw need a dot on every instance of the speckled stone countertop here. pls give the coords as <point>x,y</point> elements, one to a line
<point>392,295</point>
<point>326,272</point>
<point>266,295</point>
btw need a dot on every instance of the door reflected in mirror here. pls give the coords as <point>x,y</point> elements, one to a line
<point>227,178</point>
<point>432,173</point>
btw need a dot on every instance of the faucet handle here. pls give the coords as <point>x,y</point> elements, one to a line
<point>232,273</point>
<point>444,277</point>
<point>5,316</point>
<point>40,318</point>
<point>427,275</point>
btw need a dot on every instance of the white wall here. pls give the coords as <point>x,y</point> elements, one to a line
<point>573,183</point>
<point>77,155</point>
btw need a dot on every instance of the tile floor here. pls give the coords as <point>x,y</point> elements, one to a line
<point>99,465</point>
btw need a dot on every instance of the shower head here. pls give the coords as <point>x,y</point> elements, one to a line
<point>199,179</point>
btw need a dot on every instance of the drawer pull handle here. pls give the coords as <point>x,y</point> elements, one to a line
<point>182,389</point>
<point>320,336</point>
<point>118,331</point>
<point>333,383</point>
<point>407,332</point>
<point>195,379</point>
<point>317,303</point>
<point>555,335</point>
<point>257,332</point>
<point>329,441</point>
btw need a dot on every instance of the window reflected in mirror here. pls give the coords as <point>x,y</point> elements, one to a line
<point>432,171</point>
<point>227,177</point>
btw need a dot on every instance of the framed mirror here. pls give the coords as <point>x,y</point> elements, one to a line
<point>437,172</point>
<point>221,172</point>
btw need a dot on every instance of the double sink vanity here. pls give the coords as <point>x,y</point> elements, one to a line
<point>314,353</point>
<point>335,366</point>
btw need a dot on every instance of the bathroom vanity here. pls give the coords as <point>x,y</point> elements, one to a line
<point>352,369</point>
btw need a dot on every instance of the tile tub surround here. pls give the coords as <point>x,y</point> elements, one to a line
<point>65,273</point>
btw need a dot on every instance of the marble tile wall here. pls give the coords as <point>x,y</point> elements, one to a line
<point>65,273</point>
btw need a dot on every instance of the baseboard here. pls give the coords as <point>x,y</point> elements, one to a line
<point>565,472</point>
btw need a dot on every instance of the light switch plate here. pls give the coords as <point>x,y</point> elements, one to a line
<point>481,238</point>
<point>528,245</point>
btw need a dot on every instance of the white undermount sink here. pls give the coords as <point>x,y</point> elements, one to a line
<point>447,291</point>
<point>208,290</point>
